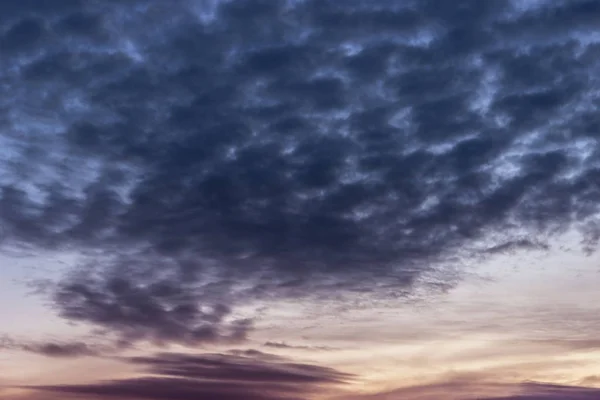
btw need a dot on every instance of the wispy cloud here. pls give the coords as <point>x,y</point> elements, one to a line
<point>58,348</point>
<point>542,391</point>
<point>283,345</point>
<point>465,389</point>
<point>177,376</point>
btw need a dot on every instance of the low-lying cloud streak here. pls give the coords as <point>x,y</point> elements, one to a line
<point>52,349</point>
<point>203,154</point>
<point>473,390</point>
<point>175,376</point>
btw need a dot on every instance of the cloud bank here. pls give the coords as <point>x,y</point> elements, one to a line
<point>176,376</point>
<point>204,154</point>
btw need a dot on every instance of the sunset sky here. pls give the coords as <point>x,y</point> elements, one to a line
<point>299,199</point>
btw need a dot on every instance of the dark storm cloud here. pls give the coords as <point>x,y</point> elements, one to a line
<point>209,152</point>
<point>209,376</point>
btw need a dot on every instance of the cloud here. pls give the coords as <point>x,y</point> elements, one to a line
<point>207,156</point>
<point>283,345</point>
<point>255,354</point>
<point>58,349</point>
<point>161,313</point>
<point>460,388</point>
<point>514,245</point>
<point>593,380</point>
<point>542,391</point>
<point>466,389</point>
<point>177,376</point>
<point>62,349</point>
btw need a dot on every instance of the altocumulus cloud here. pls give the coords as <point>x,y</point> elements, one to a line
<point>205,153</point>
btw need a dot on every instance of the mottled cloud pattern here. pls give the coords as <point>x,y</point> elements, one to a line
<point>205,152</point>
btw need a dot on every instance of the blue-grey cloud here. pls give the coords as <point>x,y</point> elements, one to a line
<point>207,152</point>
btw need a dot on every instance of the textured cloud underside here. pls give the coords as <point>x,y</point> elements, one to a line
<point>285,148</point>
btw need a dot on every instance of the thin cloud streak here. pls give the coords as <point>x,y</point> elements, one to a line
<point>466,389</point>
<point>178,376</point>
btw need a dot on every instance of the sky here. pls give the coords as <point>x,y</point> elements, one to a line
<point>299,199</point>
